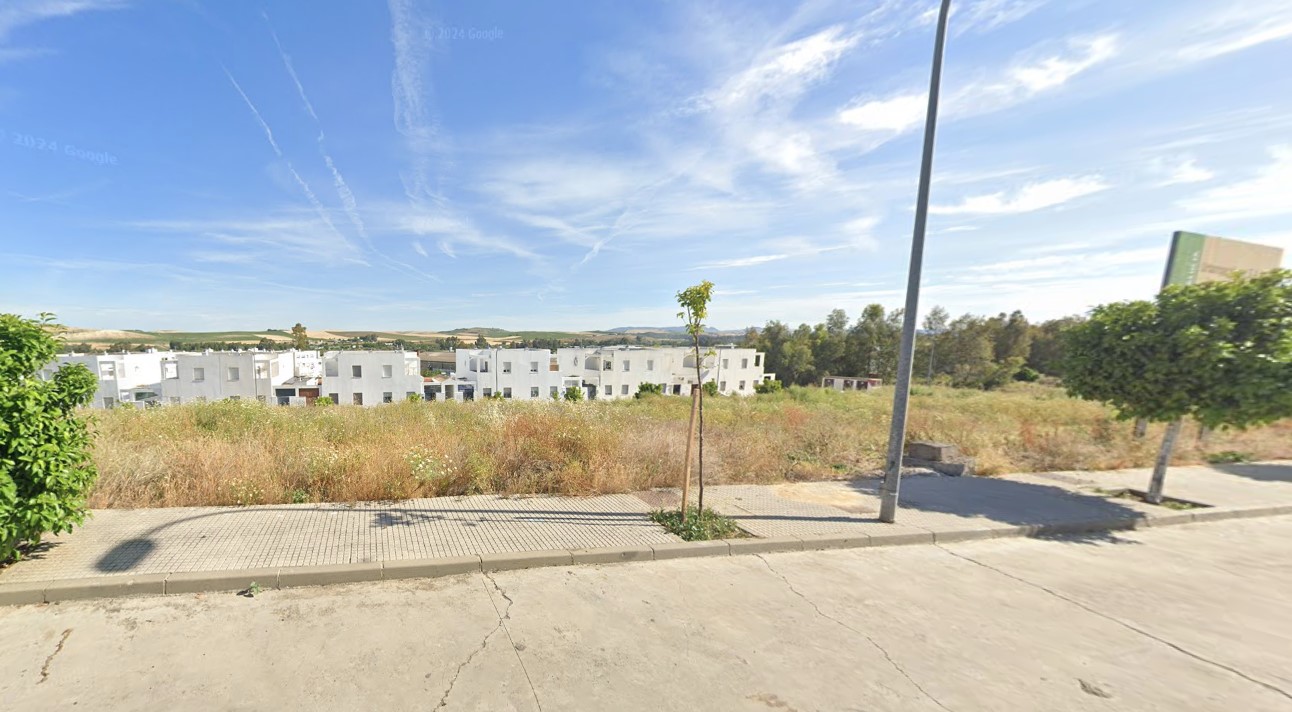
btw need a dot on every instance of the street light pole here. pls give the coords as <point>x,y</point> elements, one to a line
<point>897,435</point>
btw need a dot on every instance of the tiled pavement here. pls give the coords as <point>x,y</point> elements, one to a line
<point>149,541</point>
<point>158,541</point>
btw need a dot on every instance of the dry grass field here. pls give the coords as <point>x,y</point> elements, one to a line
<point>246,453</point>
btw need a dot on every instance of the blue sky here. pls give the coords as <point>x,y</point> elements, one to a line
<point>192,164</point>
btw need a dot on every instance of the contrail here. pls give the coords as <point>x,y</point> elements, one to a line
<point>269,134</point>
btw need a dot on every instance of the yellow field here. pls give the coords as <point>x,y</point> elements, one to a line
<point>247,453</point>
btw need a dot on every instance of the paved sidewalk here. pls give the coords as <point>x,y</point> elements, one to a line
<point>151,545</point>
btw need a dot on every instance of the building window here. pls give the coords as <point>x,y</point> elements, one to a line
<point>742,386</point>
<point>576,361</point>
<point>107,370</point>
<point>356,371</point>
<point>410,395</point>
<point>487,392</point>
<point>262,399</point>
<point>610,364</point>
<point>233,373</point>
<point>624,389</point>
<point>829,383</point>
<point>330,369</point>
<point>506,366</point>
<point>506,393</point>
<point>234,398</point>
<point>199,374</point>
<point>650,364</point>
<point>554,390</point>
<point>174,400</point>
<point>533,392</point>
<point>109,401</point>
<point>627,367</point>
<point>744,363</point>
<point>334,397</point>
<point>724,363</point>
<point>533,367</point>
<point>722,386</point>
<point>758,360</point>
<point>387,397</point>
<point>357,398</point>
<point>387,371</point>
<point>199,399</point>
<point>170,370</point>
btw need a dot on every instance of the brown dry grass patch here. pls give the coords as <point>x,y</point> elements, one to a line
<point>246,453</point>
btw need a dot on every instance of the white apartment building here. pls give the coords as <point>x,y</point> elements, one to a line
<point>519,374</point>
<point>371,377</point>
<point>123,378</point>
<point>220,375</point>
<point>612,372</point>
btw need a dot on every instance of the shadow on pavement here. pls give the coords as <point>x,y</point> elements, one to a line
<point>125,556</point>
<point>1010,502</point>
<point>1257,471</point>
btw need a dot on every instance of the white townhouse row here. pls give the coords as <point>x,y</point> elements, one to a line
<point>606,373</point>
<point>373,377</point>
<point>283,378</point>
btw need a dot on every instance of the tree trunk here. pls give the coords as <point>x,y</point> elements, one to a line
<point>1163,459</point>
<point>1204,435</point>
<point>1141,428</point>
<point>701,473</point>
<point>690,441</point>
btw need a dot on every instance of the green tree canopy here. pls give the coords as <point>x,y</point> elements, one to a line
<point>1219,352</point>
<point>45,467</point>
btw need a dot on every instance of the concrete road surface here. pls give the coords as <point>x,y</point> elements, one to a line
<point>1195,617</point>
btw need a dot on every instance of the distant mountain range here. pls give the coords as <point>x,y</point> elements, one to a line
<point>670,330</point>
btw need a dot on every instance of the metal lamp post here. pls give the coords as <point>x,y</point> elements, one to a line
<point>897,435</point>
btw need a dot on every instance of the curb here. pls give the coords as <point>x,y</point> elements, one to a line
<point>29,592</point>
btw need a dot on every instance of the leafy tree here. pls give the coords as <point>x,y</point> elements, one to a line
<point>573,394</point>
<point>266,344</point>
<point>45,466</point>
<point>300,338</point>
<point>796,358</point>
<point>1219,352</point>
<point>1013,337</point>
<point>695,309</point>
<point>1046,352</point>
<point>482,342</point>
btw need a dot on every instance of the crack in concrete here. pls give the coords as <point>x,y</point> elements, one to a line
<point>504,616</point>
<point>44,669</point>
<point>1124,624</point>
<point>444,699</point>
<point>872,641</point>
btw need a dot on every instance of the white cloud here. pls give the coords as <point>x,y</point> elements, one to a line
<point>1267,193</point>
<point>741,262</point>
<point>289,236</point>
<point>1183,169</point>
<point>1032,196</point>
<point>1017,83</point>
<point>787,72</point>
<point>15,14</point>
<point>417,247</point>
<point>1236,27</point>
<point>897,113</point>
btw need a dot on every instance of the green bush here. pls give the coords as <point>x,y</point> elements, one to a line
<point>710,389</point>
<point>574,394</point>
<point>769,386</point>
<point>648,389</point>
<point>699,526</point>
<point>45,467</point>
<point>323,401</point>
<point>1027,374</point>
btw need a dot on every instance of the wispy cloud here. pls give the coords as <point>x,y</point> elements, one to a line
<point>15,14</point>
<point>1030,197</point>
<point>1014,84</point>
<point>417,247</point>
<point>1179,170</point>
<point>741,262</point>
<point>987,15</point>
<point>1235,27</point>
